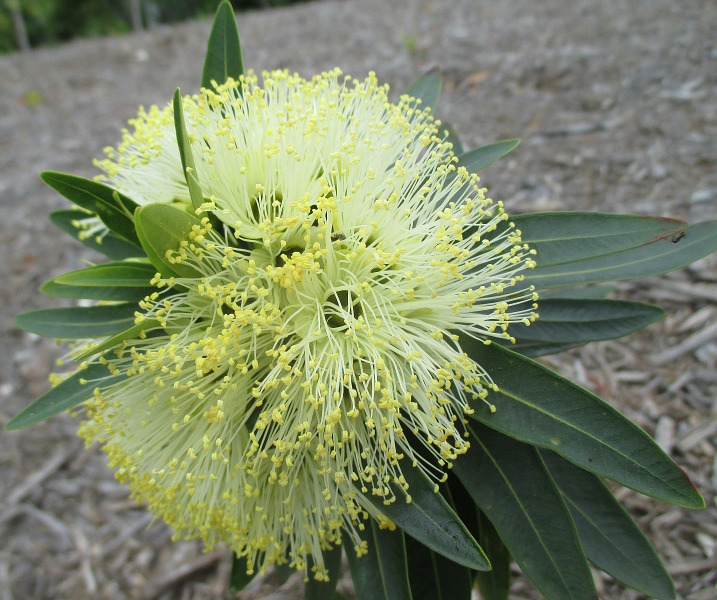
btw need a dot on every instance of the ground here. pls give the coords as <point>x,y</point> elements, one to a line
<point>615,102</point>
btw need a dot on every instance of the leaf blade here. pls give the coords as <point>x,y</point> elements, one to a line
<point>115,210</point>
<point>161,228</point>
<point>479,158</point>
<point>381,573</point>
<point>67,394</point>
<point>324,590</point>
<point>609,536</point>
<point>429,520</point>
<point>649,260</point>
<point>434,577</point>
<point>567,237</point>
<point>428,89</point>
<point>70,221</point>
<point>78,322</point>
<point>510,484</point>
<point>185,153</point>
<point>223,59</point>
<point>537,406</point>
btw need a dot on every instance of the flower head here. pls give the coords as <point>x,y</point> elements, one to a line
<point>311,350</point>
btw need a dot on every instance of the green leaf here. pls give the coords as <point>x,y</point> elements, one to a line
<point>72,391</point>
<point>609,536</point>
<point>128,281</point>
<point>660,257</point>
<point>223,58</point>
<point>434,577</point>
<point>573,322</point>
<point>566,237</point>
<point>116,294</point>
<point>185,153</point>
<point>428,89</point>
<point>78,322</point>
<point>452,137</point>
<point>479,158</point>
<point>510,484</point>
<point>381,573</point>
<point>113,341</point>
<point>537,406</point>
<point>493,584</point>
<point>592,292</point>
<point>239,577</point>
<point>113,247</point>
<point>429,520</point>
<point>161,228</point>
<point>324,590</point>
<point>115,210</point>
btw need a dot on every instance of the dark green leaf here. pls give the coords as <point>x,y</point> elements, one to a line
<point>324,590</point>
<point>162,228</point>
<point>429,520</point>
<point>567,237</point>
<point>223,58</point>
<point>112,341</point>
<point>657,258</point>
<point>493,584</point>
<point>115,210</point>
<point>72,391</point>
<point>592,292</point>
<point>538,406</point>
<point>117,294</point>
<point>453,138</point>
<point>78,322</point>
<point>239,577</point>
<point>609,536</point>
<point>427,89</point>
<point>381,573</point>
<point>479,158</point>
<point>113,247</point>
<point>574,322</point>
<point>185,153</point>
<point>510,484</point>
<point>434,577</point>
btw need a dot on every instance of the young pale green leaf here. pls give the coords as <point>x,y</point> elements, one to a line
<point>118,274</point>
<point>567,237</point>
<point>608,535</point>
<point>115,210</point>
<point>510,484</point>
<point>428,89</point>
<point>662,256</point>
<point>381,573</point>
<point>113,247</point>
<point>69,393</point>
<point>479,158</point>
<point>429,520</point>
<point>537,406</point>
<point>185,153</point>
<point>324,590</point>
<point>223,59</point>
<point>131,333</point>
<point>162,228</point>
<point>573,322</point>
<point>79,292</point>
<point>493,584</point>
<point>239,578</point>
<point>78,322</point>
<point>434,577</point>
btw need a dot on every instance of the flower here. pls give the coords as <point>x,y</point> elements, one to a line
<point>310,350</point>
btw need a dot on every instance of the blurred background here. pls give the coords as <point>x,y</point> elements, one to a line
<point>616,105</point>
<point>26,24</point>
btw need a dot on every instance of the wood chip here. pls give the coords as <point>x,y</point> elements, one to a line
<point>686,346</point>
<point>52,465</point>
<point>159,586</point>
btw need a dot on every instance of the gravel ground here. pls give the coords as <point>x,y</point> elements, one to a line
<point>616,103</point>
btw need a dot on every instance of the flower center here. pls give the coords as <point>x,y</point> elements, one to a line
<point>339,304</point>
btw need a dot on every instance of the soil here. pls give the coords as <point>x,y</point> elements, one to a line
<point>616,104</point>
